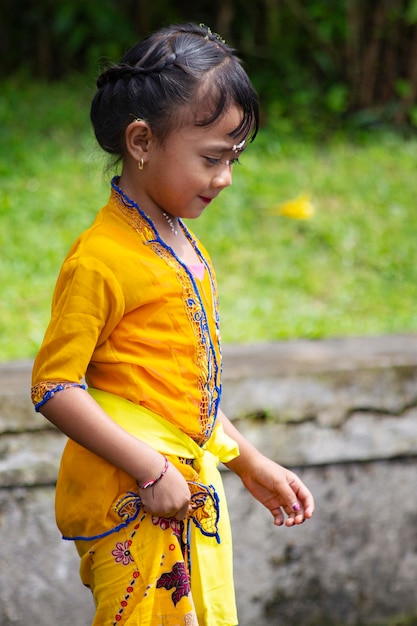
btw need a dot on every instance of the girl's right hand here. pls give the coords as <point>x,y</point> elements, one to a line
<point>77,414</point>
<point>168,497</point>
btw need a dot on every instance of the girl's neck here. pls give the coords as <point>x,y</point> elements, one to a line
<point>168,227</point>
<point>166,224</point>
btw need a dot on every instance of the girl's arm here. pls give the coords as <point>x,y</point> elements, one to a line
<point>276,487</point>
<point>79,416</point>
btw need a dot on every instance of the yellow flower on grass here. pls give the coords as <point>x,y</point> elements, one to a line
<point>299,208</point>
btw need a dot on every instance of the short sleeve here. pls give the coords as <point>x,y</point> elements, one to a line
<point>87,305</point>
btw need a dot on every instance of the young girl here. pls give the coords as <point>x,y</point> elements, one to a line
<point>135,312</point>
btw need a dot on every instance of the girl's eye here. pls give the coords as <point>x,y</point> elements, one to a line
<point>213,161</point>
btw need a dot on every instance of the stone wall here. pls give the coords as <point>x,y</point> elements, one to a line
<point>342,413</point>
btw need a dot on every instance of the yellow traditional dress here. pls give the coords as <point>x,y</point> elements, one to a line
<point>142,329</point>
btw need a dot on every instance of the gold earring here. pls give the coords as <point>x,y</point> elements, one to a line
<point>140,163</point>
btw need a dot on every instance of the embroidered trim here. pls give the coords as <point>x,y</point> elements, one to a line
<point>127,507</point>
<point>44,391</point>
<point>205,509</point>
<point>99,536</point>
<point>209,382</point>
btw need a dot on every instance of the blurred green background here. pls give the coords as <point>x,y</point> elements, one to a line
<point>338,90</point>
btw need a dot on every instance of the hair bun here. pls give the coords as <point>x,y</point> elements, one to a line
<point>123,70</point>
<point>112,74</point>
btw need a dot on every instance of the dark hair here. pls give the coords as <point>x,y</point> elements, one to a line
<point>175,66</point>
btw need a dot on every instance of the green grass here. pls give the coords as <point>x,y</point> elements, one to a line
<point>349,270</point>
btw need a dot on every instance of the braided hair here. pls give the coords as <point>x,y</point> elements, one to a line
<point>176,72</point>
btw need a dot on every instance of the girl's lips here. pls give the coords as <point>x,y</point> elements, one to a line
<point>205,200</point>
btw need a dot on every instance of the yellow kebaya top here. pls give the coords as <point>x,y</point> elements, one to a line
<point>142,328</point>
<point>131,318</point>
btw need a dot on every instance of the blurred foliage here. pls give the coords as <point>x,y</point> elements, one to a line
<point>356,58</point>
<point>347,268</point>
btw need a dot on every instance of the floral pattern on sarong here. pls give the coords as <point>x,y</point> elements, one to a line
<point>177,578</point>
<point>204,514</point>
<point>122,552</point>
<point>166,523</point>
<point>124,603</point>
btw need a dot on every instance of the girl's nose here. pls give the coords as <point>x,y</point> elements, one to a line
<point>223,177</point>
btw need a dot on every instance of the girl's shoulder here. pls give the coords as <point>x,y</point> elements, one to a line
<point>108,236</point>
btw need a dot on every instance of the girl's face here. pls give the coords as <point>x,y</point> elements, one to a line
<point>191,167</point>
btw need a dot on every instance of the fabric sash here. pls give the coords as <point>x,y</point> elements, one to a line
<point>211,562</point>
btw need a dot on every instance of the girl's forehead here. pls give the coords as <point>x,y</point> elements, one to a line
<point>223,127</point>
<point>192,132</point>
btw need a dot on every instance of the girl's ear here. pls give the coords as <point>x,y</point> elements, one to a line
<point>138,139</point>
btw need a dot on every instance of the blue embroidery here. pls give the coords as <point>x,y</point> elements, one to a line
<point>49,394</point>
<point>128,508</point>
<point>211,385</point>
<point>205,508</point>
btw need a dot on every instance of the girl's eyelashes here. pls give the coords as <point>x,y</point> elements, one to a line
<point>214,161</point>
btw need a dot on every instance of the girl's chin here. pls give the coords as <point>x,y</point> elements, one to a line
<point>194,213</point>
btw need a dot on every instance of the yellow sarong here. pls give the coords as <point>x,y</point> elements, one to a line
<point>140,566</point>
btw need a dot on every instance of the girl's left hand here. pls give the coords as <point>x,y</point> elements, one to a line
<point>279,490</point>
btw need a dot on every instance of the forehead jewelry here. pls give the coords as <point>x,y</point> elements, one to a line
<point>238,147</point>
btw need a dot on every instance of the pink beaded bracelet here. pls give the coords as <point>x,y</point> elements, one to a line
<point>151,483</point>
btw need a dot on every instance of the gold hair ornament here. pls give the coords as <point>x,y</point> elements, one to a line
<point>210,32</point>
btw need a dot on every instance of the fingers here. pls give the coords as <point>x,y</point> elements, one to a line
<point>182,513</point>
<point>299,500</point>
<point>294,518</point>
<point>290,518</point>
<point>279,517</point>
<point>309,505</point>
<point>296,507</point>
<point>305,499</point>
<point>177,509</point>
<point>291,504</point>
